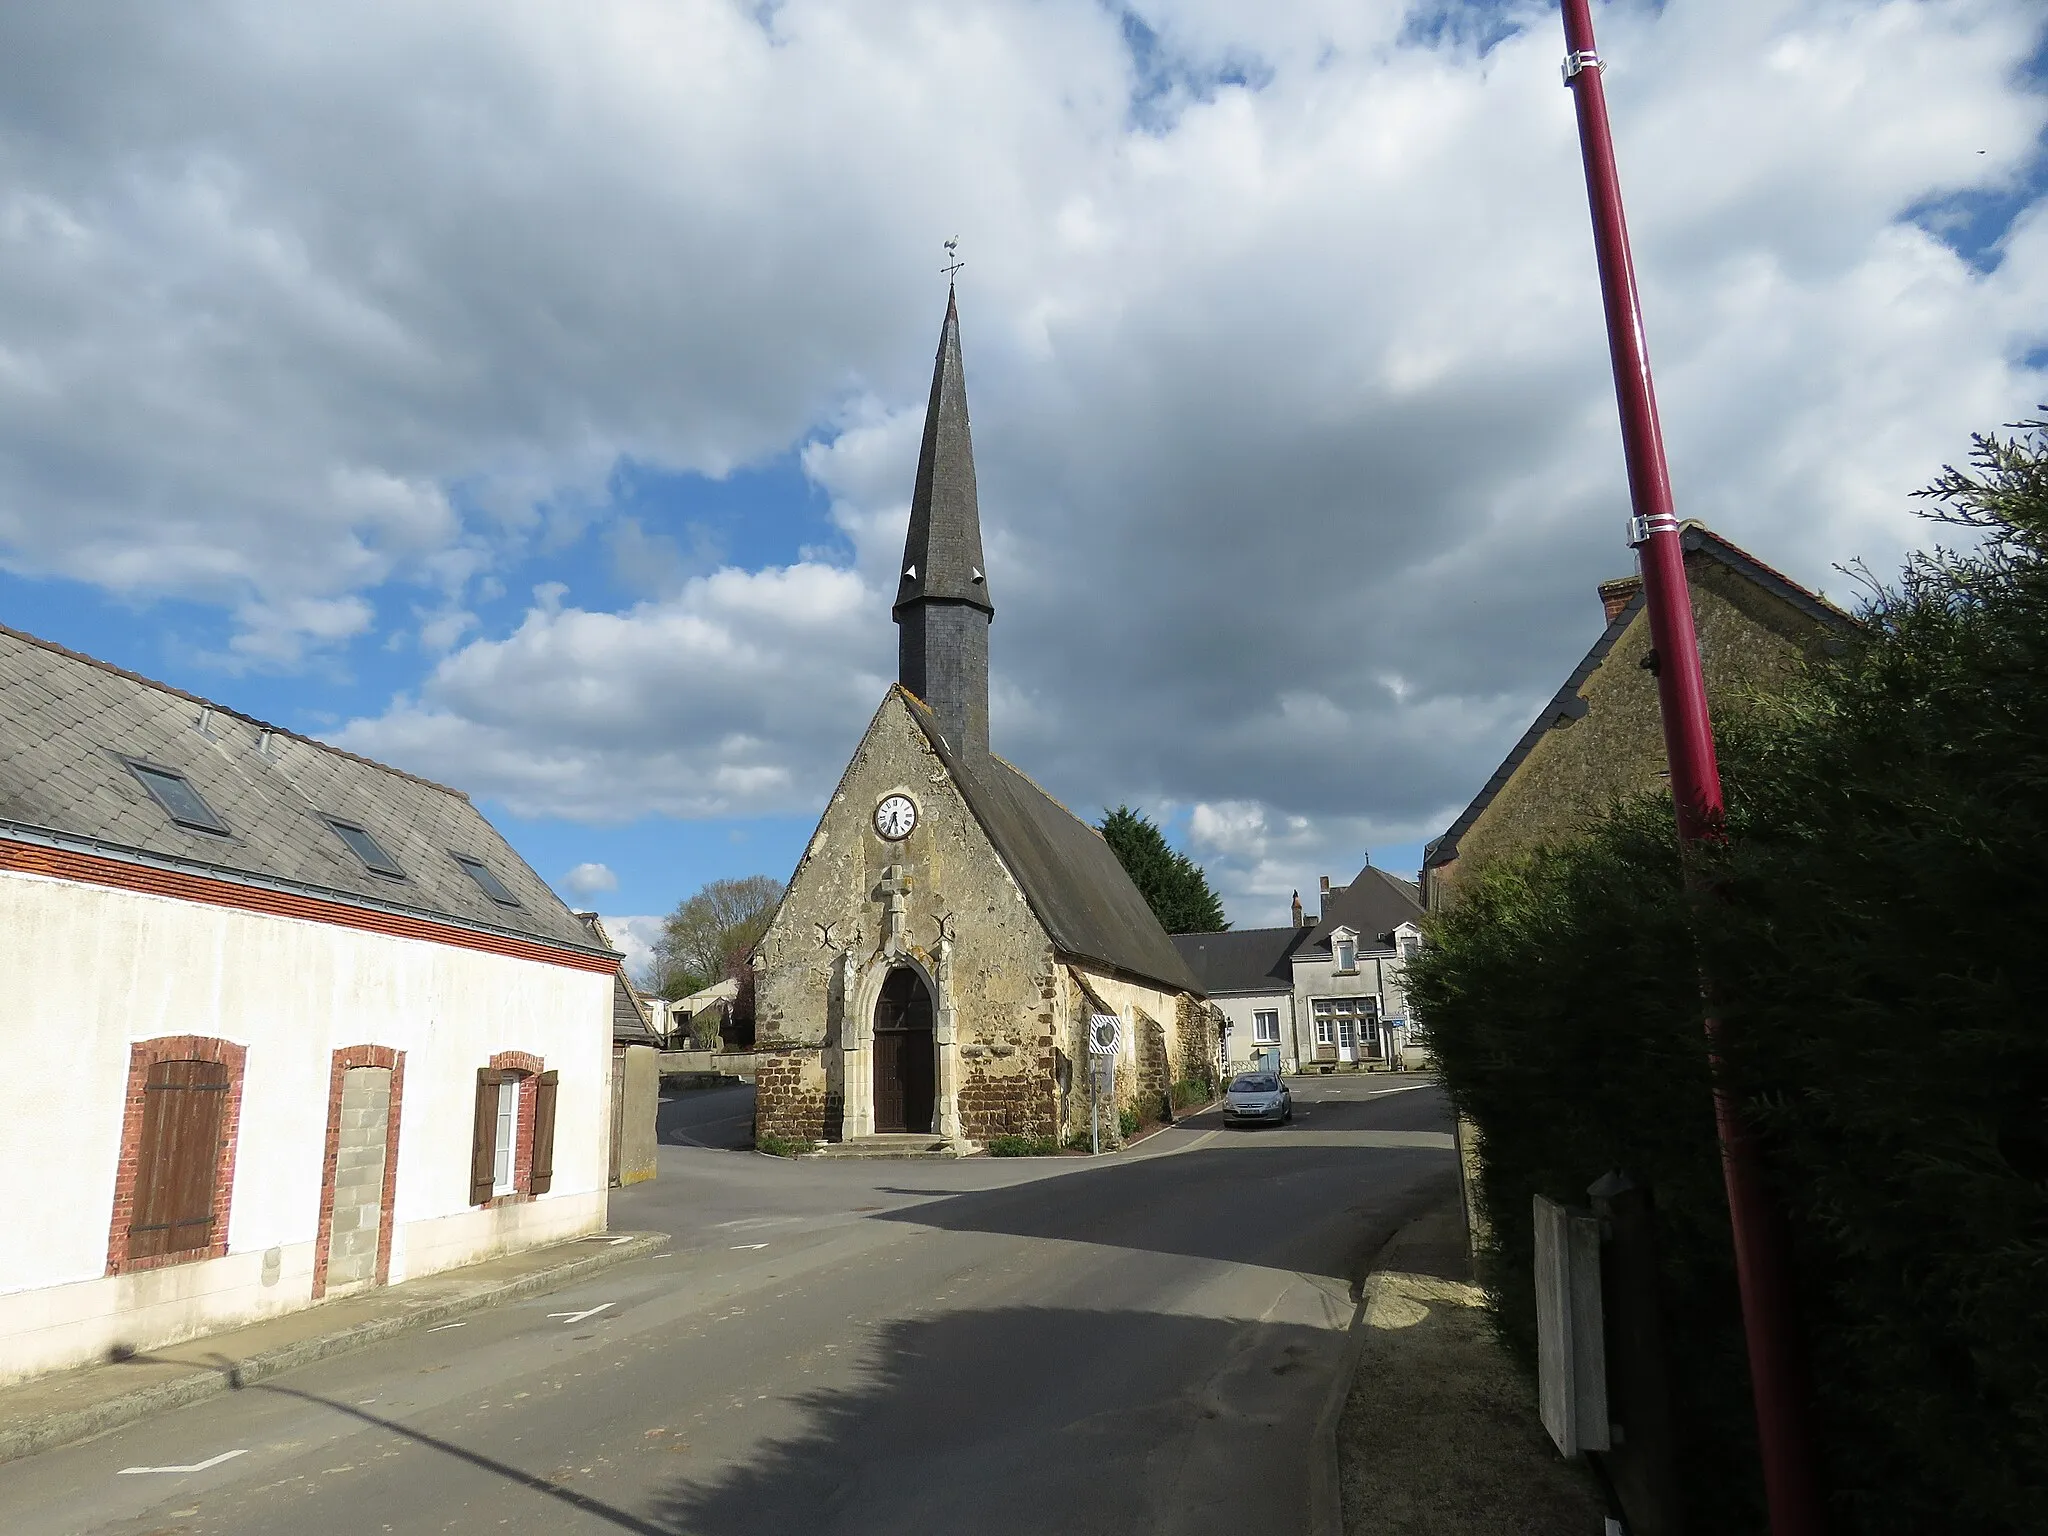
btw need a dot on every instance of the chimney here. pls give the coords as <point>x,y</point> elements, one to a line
<point>1326,890</point>
<point>1617,595</point>
<point>1299,921</point>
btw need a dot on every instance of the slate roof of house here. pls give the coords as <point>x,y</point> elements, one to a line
<point>1242,959</point>
<point>943,545</point>
<point>1075,885</point>
<point>1371,906</point>
<point>69,724</point>
<point>632,1024</point>
<point>1566,704</point>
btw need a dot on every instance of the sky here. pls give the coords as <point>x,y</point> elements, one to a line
<point>527,392</point>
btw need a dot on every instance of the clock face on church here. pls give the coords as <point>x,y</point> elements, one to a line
<point>895,817</point>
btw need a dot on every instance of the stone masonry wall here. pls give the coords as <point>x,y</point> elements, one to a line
<point>359,1176</point>
<point>791,1099</point>
<point>1750,641</point>
<point>1001,968</point>
<point>1199,1042</point>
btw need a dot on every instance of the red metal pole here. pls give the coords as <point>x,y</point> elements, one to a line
<point>1791,1484</point>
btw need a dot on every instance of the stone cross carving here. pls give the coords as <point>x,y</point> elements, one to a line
<point>895,887</point>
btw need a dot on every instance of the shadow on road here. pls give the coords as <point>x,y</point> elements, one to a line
<point>1314,1210</point>
<point>1019,1422</point>
<point>1002,1422</point>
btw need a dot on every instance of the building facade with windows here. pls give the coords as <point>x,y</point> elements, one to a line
<point>1248,973</point>
<point>282,1022</point>
<point>1325,992</point>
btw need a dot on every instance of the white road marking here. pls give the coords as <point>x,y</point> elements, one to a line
<point>197,1466</point>
<point>440,1327</point>
<point>1381,1093</point>
<point>747,1247</point>
<point>609,1242</point>
<point>577,1317</point>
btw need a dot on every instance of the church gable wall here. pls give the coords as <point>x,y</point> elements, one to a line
<point>964,924</point>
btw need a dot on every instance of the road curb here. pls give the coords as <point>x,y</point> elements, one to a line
<point>72,1425</point>
<point>1325,1498</point>
<point>1325,1480</point>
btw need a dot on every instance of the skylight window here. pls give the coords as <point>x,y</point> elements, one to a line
<point>366,848</point>
<point>486,882</point>
<point>181,802</point>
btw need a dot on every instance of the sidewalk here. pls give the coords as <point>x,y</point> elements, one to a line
<point>1440,1433</point>
<point>74,1405</point>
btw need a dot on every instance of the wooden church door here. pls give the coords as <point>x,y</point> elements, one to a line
<point>906,1076</point>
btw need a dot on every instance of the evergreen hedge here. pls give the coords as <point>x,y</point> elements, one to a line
<point>1874,928</point>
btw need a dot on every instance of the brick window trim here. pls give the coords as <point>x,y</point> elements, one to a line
<point>142,1055</point>
<point>529,1067</point>
<point>347,1057</point>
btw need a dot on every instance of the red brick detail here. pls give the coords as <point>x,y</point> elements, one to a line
<point>529,1066</point>
<point>91,869</point>
<point>359,1056</point>
<point>142,1055</point>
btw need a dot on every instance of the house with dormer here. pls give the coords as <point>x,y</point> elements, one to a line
<point>1325,992</point>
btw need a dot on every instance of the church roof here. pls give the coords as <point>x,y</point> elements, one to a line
<point>1076,887</point>
<point>942,556</point>
<point>98,759</point>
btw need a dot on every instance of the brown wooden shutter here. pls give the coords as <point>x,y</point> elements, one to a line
<point>483,1151</point>
<point>544,1132</point>
<point>184,1106</point>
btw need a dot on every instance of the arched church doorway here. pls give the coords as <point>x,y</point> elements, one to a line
<point>906,1073</point>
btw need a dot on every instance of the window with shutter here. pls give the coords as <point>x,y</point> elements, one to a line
<point>184,1110</point>
<point>544,1132</point>
<point>483,1154</point>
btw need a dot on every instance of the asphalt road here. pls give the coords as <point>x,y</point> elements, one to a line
<point>1060,1345</point>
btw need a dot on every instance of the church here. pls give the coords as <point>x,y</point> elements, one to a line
<point>952,931</point>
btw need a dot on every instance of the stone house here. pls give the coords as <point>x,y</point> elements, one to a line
<point>1324,992</point>
<point>1600,738</point>
<point>282,1022</point>
<point>952,929</point>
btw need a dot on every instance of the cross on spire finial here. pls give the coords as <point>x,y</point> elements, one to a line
<point>953,261</point>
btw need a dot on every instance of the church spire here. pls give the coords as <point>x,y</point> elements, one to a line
<point>942,608</point>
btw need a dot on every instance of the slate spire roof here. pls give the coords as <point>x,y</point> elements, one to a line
<point>942,557</point>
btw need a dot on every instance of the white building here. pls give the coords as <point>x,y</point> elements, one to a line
<point>282,1022</point>
<point>1324,993</point>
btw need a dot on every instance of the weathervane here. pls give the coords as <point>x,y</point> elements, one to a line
<point>953,261</point>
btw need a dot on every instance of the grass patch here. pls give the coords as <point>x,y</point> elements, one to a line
<point>1022,1146</point>
<point>784,1146</point>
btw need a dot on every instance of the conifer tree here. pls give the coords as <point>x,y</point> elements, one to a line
<point>1172,884</point>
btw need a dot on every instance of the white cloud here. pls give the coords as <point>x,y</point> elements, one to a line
<point>731,698</point>
<point>1297,446</point>
<point>589,879</point>
<point>635,938</point>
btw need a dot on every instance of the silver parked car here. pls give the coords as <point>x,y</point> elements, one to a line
<point>1257,1098</point>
